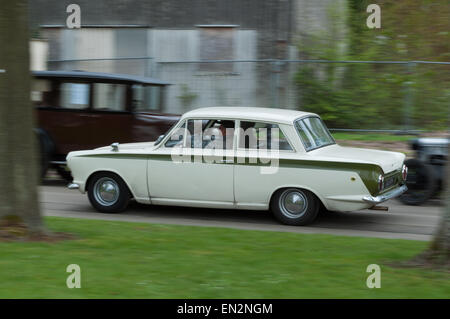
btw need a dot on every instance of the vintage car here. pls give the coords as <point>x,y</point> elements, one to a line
<point>426,170</point>
<point>82,110</point>
<point>241,158</point>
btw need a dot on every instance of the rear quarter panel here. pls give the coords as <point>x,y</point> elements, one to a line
<point>331,186</point>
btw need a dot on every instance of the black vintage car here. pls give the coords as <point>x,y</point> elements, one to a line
<point>426,171</point>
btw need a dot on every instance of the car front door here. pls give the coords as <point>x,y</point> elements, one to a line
<point>194,166</point>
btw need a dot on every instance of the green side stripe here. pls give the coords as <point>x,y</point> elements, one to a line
<point>368,172</point>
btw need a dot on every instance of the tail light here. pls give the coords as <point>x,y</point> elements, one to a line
<point>404,172</point>
<point>380,183</point>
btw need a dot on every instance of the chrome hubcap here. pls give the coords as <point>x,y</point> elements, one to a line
<point>293,203</point>
<point>106,191</point>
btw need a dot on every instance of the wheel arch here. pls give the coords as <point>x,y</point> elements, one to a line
<point>302,187</point>
<point>111,171</point>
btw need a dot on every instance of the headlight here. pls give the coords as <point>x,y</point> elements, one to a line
<point>404,172</point>
<point>380,183</point>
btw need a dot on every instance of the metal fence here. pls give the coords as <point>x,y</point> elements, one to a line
<point>375,95</point>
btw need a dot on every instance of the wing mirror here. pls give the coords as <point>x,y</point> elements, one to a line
<point>115,147</point>
<point>159,139</point>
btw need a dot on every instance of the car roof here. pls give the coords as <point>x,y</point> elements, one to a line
<point>99,76</point>
<point>248,113</point>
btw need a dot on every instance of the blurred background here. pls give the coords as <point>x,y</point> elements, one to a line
<point>293,54</point>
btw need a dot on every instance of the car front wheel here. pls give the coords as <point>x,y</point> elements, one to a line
<point>108,193</point>
<point>293,206</point>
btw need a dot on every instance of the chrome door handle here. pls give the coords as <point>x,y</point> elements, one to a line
<point>227,161</point>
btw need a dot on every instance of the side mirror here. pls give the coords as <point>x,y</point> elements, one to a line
<point>160,138</point>
<point>115,147</point>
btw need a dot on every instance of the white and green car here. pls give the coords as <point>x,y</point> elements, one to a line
<point>241,158</point>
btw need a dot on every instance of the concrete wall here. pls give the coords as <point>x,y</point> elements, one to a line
<point>272,18</point>
<point>235,85</point>
<point>170,30</point>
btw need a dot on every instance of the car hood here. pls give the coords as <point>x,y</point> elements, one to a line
<point>388,161</point>
<point>129,146</point>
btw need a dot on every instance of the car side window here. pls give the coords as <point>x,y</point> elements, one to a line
<point>42,94</point>
<point>177,137</point>
<point>210,134</point>
<point>109,97</point>
<point>74,95</point>
<point>259,135</point>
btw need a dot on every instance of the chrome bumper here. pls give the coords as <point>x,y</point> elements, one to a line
<point>386,196</point>
<point>73,186</point>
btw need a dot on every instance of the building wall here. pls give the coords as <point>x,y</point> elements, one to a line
<point>272,18</point>
<point>212,84</point>
<point>173,31</point>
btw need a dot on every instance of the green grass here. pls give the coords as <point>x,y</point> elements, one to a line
<point>131,260</point>
<point>372,137</point>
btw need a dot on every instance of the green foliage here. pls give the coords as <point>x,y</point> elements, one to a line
<point>382,95</point>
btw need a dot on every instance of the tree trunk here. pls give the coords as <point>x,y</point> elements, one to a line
<point>439,250</point>
<point>18,142</point>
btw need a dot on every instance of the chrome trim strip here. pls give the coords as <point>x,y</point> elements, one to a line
<point>73,186</point>
<point>58,162</point>
<point>382,198</point>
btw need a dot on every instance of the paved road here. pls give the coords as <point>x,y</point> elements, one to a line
<point>407,222</point>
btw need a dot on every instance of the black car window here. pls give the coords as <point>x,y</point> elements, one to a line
<point>109,97</point>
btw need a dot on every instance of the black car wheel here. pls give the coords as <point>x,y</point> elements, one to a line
<point>108,193</point>
<point>294,206</point>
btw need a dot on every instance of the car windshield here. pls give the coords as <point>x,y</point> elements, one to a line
<point>161,137</point>
<point>313,133</point>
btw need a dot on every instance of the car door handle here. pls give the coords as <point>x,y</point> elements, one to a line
<point>228,161</point>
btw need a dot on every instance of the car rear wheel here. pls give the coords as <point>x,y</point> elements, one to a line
<point>294,206</point>
<point>108,193</point>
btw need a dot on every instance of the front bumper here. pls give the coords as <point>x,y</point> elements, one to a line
<point>73,186</point>
<point>386,196</point>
